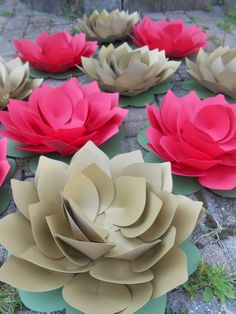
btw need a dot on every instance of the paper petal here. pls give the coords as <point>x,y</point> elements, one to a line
<point>194,85</point>
<point>12,150</point>
<point>185,185</point>
<point>193,256</point>
<point>153,305</point>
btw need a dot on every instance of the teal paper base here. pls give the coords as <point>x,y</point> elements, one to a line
<point>34,73</point>
<point>4,198</point>
<point>146,97</point>
<point>229,193</point>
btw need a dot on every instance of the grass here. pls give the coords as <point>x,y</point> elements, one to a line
<point>8,13</point>
<point>212,281</point>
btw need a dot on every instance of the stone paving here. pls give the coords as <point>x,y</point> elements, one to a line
<point>17,20</point>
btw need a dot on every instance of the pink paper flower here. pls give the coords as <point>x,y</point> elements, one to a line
<point>197,136</point>
<point>4,165</point>
<point>63,118</point>
<point>174,37</point>
<point>55,53</point>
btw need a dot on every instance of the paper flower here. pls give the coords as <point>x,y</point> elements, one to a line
<point>197,136</point>
<point>15,81</point>
<point>174,37</point>
<point>107,27</point>
<point>4,164</point>
<point>216,71</point>
<point>107,231</point>
<point>127,71</point>
<point>55,53</point>
<point>62,119</point>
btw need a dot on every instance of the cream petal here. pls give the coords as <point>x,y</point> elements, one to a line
<point>129,201</point>
<point>140,295</point>
<point>15,233</point>
<point>164,219</point>
<point>119,162</point>
<point>89,295</point>
<point>152,208</point>
<point>104,270</point>
<point>153,255</point>
<point>186,217</point>
<point>51,180</point>
<point>167,182</point>
<point>29,277</point>
<point>128,249</point>
<point>103,185</point>
<point>24,194</point>
<point>41,232</point>
<point>83,192</point>
<point>35,256</point>
<point>169,272</point>
<point>91,249</point>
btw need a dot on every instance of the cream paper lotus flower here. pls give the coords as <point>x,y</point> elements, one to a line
<point>216,71</point>
<point>107,231</point>
<point>107,27</point>
<point>127,71</point>
<point>15,81</point>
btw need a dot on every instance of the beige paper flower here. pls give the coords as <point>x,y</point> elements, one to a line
<point>216,71</point>
<point>107,27</point>
<point>15,81</point>
<point>127,71</point>
<point>106,230</point>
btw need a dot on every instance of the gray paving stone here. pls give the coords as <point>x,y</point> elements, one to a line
<point>174,15</point>
<point>155,16</point>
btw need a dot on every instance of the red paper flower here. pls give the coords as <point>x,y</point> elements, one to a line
<point>174,37</point>
<point>55,53</point>
<point>197,136</point>
<point>4,165</point>
<point>62,118</point>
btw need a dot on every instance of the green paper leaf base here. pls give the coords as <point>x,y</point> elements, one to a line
<point>181,185</point>
<point>12,151</point>
<point>146,97</point>
<point>225,193</point>
<point>193,256</point>
<point>4,198</point>
<point>142,139</point>
<point>111,148</point>
<point>57,76</point>
<point>12,168</point>
<point>201,91</point>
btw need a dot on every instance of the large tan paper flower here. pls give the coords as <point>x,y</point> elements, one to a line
<point>107,27</point>
<point>15,81</point>
<point>106,230</point>
<point>216,71</point>
<point>127,71</point>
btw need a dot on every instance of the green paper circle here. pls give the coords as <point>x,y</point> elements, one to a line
<point>34,73</point>
<point>146,97</point>
<point>154,306</point>
<point>194,85</point>
<point>225,193</point>
<point>4,198</point>
<point>185,185</point>
<point>43,301</point>
<point>193,256</point>
<point>142,139</point>
<point>12,168</point>
<point>71,310</point>
<point>151,157</point>
<point>16,153</point>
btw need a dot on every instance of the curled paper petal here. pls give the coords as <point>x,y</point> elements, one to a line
<point>55,53</point>
<point>216,71</point>
<point>107,27</point>
<point>175,38</point>
<point>14,81</point>
<point>61,119</point>
<point>183,132</point>
<point>102,215</point>
<point>130,72</point>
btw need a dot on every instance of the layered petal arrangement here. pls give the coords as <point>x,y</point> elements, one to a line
<point>55,53</point>
<point>4,164</point>
<point>216,71</point>
<point>127,71</point>
<point>107,27</point>
<point>15,81</point>
<point>197,136</point>
<point>79,222</point>
<point>62,119</point>
<point>174,37</point>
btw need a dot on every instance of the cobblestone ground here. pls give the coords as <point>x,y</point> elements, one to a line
<point>17,20</point>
